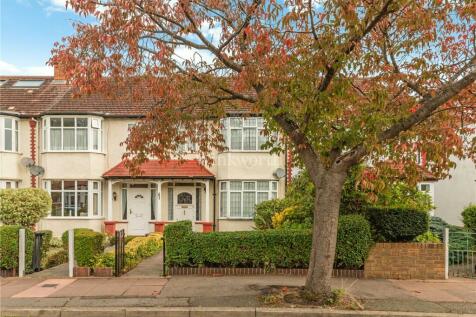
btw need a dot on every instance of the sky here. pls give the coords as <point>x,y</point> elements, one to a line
<point>28,29</point>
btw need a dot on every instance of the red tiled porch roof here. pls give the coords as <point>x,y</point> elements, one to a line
<point>166,169</point>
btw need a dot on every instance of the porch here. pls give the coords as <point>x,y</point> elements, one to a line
<point>163,193</point>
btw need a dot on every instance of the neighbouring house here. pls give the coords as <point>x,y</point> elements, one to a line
<point>452,194</point>
<point>77,143</point>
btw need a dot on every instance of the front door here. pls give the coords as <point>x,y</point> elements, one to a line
<point>138,201</point>
<point>184,203</point>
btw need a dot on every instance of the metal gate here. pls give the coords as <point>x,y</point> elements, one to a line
<point>120,252</point>
<point>461,254</point>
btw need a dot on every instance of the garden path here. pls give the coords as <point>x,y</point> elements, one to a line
<point>150,267</point>
<point>56,271</point>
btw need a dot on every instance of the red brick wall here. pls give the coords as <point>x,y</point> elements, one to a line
<point>406,261</point>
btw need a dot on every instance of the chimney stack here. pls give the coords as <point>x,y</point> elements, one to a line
<point>59,72</point>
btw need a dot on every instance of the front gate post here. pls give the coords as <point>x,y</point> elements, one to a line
<point>446,241</point>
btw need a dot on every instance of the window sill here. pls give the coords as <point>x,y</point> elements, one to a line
<point>70,152</point>
<point>230,218</point>
<point>12,152</point>
<point>245,151</point>
<point>73,218</point>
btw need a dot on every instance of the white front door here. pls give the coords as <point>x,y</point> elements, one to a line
<point>184,203</point>
<point>138,203</point>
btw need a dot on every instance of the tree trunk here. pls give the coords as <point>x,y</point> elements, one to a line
<point>324,235</point>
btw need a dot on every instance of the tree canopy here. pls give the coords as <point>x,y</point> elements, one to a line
<point>343,81</point>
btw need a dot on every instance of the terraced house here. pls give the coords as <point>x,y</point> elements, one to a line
<point>71,148</point>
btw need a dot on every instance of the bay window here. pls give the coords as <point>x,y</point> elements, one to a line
<point>244,134</point>
<point>239,198</point>
<point>8,134</point>
<point>81,134</point>
<point>75,198</point>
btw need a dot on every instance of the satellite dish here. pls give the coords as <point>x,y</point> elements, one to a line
<point>36,170</point>
<point>279,173</point>
<point>27,162</point>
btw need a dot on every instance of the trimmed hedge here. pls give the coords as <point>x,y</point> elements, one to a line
<point>397,224</point>
<point>9,247</point>
<point>269,249</point>
<point>354,240</point>
<point>88,244</point>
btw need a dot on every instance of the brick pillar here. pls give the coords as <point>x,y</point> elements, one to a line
<point>110,227</point>
<point>33,148</point>
<point>289,166</point>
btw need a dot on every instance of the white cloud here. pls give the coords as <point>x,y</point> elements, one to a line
<point>13,70</point>
<point>55,6</point>
<point>184,53</point>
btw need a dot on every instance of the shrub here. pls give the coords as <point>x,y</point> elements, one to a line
<point>56,242</point>
<point>469,217</point>
<point>272,248</point>
<point>64,236</point>
<point>397,224</point>
<point>9,247</point>
<point>105,260</point>
<point>23,206</point>
<point>87,245</point>
<point>354,239</point>
<point>265,212</point>
<point>54,258</point>
<point>142,247</point>
<point>45,246</point>
<point>437,226</point>
<point>427,237</point>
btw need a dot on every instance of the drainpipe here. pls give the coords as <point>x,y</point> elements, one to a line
<point>33,148</point>
<point>214,205</point>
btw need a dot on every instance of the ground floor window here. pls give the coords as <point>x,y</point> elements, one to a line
<point>75,198</point>
<point>239,198</point>
<point>4,184</point>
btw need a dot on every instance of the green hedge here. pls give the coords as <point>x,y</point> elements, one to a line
<point>354,239</point>
<point>397,224</point>
<point>263,248</point>
<point>87,245</point>
<point>469,217</point>
<point>9,247</point>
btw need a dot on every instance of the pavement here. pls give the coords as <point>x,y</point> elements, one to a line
<point>143,290</point>
<point>453,296</point>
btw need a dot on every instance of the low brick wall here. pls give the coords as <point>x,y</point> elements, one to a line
<point>218,271</point>
<point>406,261</point>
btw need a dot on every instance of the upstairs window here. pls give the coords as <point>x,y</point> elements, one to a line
<point>8,134</point>
<point>81,134</point>
<point>244,134</point>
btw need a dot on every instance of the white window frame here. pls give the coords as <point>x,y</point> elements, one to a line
<point>272,193</point>
<point>15,134</point>
<point>430,191</point>
<point>91,191</point>
<point>94,124</point>
<point>246,123</point>
<point>8,184</point>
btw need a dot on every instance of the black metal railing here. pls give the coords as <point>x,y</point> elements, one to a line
<point>120,252</point>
